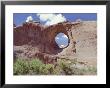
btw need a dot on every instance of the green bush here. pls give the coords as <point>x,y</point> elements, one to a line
<point>63,67</point>
<point>21,67</point>
<point>66,67</point>
<point>34,66</point>
<point>87,70</point>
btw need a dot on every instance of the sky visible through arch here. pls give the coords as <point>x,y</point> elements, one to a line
<point>53,18</point>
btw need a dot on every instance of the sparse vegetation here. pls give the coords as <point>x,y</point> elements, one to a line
<point>21,67</point>
<point>63,67</point>
<point>35,66</point>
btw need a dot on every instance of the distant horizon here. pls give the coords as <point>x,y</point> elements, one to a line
<point>52,18</point>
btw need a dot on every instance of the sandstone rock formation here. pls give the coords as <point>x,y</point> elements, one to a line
<point>42,38</point>
<point>36,34</point>
<point>32,40</point>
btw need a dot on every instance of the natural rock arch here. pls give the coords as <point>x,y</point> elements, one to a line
<point>50,34</point>
<point>43,37</point>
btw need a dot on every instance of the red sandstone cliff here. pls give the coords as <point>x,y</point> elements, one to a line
<point>33,40</point>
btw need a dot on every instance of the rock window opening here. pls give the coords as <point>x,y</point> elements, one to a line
<point>62,40</point>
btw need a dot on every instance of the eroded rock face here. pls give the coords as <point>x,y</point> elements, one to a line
<point>43,38</point>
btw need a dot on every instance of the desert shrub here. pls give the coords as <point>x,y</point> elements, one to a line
<point>63,67</point>
<point>70,67</point>
<point>78,71</point>
<point>66,67</point>
<point>39,68</point>
<point>91,70</point>
<point>46,69</point>
<point>50,68</point>
<point>34,65</point>
<point>43,70</point>
<point>57,71</point>
<point>21,67</point>
<point>85,71</point>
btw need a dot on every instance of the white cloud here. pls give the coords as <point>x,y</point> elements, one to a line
<point>45,17</point>
<point>51,19</point>
<point>64,36</point>
<point>57,38</point>
<point>62,46</point>
<point>29,18</point>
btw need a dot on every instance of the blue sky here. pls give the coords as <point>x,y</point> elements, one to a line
<point>19,18</point>
<point>62,40</point>
<point>52,18</point>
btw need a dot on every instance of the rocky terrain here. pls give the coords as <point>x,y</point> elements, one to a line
<point>33,40</point>
<point>86,43</point>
